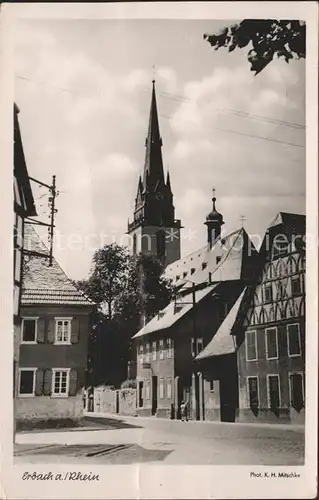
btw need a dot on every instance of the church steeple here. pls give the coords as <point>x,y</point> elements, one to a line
<point>214,222</point>
<point>154,213</point>
<point>153,166</point>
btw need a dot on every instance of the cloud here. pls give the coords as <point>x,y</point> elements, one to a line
<point>84,117</point>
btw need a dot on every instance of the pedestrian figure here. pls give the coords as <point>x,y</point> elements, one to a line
<point>183,411</point>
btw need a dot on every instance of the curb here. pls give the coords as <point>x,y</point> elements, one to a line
<point>291,427</point>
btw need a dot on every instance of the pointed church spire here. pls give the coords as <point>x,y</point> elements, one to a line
<point>168,182</point>
<point>153,166</point>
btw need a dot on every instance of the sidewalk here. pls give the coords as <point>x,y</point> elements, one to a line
<point>292,427</point>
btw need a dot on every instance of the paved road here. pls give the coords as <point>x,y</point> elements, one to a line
<point>125,440</point>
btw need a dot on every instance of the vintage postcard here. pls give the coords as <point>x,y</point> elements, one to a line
<point>162,336</point>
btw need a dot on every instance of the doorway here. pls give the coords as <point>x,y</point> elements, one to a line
<point>228,400</point>
<point>140,394</point>
<point>154,394</point>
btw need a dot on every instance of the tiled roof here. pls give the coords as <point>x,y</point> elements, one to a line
<point>172,314</point>
<point>231,258</point>
<point>223,341</point>
<point>43,284</point>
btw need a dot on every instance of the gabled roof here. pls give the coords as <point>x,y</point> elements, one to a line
<point>233,257</point>
<point>20,168</point>
<point>288,220</point>
<point>290,224</point>
<point>171,314</point>
<point>223,341</point>
<point>43,284</point>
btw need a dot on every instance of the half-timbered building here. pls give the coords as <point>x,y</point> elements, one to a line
<point>264,340</point>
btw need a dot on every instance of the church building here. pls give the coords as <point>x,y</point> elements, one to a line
<point>154,229</point>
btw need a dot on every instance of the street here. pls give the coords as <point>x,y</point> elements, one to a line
<point>127,440</point>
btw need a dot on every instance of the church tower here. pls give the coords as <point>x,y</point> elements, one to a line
<point>214,222</point>
<point>154,229</point>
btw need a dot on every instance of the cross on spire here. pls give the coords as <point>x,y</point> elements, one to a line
<point>242,219</point>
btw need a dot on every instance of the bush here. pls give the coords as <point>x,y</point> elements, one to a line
<point>128,384</point>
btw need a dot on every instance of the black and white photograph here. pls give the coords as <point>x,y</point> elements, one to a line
<point>160,247</point>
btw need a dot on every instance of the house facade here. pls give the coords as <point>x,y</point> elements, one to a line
<point>53,343</point>
<point>262,342</point>
<point>271,361</point>
<point>210,282</point>
<point>23,207</point>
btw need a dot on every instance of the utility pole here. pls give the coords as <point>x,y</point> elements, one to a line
<point>52,196</point>
<point>53,212</point>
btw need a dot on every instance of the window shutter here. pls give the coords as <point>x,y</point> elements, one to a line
<point>75,324</point>
<point>39,383</point>
<point>73,383</point>
<point>51,331</point>
<point>47,382</point>
<point>41,330</point>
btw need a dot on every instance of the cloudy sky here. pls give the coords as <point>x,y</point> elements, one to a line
<point>84,88</point>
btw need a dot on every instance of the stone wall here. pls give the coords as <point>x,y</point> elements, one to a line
<point>127,402</point>
<point>121,401</point>
<point>29,411</point>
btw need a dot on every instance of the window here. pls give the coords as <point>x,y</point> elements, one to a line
<point>273,391</point>
<point>169,389</point>
<point>60,382</point>
<point>211,386</point>
<point>193,347</point>
<point>251,345</point>
<point>27,382</point>
<point>218,259</point>
<point>147,390</point>
<point>147,352</point>
<point>141,350</point>
<point>140,394</point>
<point>281,289</point>
<point>177,277</point>
<point>161,389</point>
<point>192,270</point>
<point>293,340</point>
<point>253,393</point>
<point>199,345</point>
<point>296,390</point>
<point>295,286</point>
<point>134,244</point>
<point>268,293</point>
<point>169,348</point>
<point>196,346</point>
<point>160,244</point>
<point>204,265</point>
<point>161,349</point>
<point>154,350</point>
<point>29,330</point>
<point>63,330</point>
<point>271,343</point>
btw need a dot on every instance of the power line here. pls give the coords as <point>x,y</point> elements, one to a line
<point>248,115</point>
